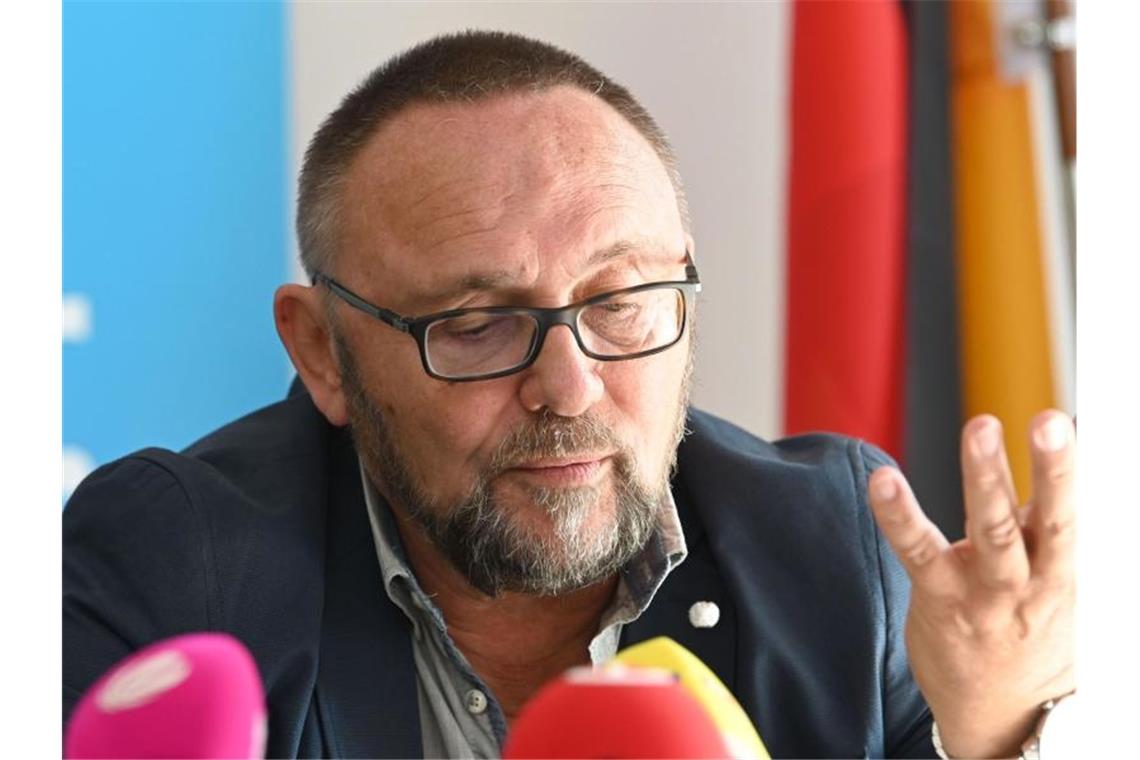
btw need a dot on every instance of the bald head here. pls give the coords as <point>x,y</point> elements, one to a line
<point>459,71</point>
<point>446,193</point>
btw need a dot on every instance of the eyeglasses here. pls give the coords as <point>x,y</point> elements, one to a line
<point>484,343</point>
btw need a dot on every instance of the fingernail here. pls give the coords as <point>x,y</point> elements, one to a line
<point>885,489</point>
<point>986,439</point>
<point>1053,435</point>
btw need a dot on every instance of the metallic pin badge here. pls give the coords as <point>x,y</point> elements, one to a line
<point>704,614</point>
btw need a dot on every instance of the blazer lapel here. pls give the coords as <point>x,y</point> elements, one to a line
<point>366,684</point>
<point>697,579</point>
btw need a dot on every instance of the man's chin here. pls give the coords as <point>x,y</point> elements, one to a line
<point>543,512</point>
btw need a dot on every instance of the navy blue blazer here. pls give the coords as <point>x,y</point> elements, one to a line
<point>260,530</point>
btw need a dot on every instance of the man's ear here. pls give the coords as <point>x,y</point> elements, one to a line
<point>302,326</point>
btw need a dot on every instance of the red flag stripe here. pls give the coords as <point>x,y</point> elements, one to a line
<point>846,221</point>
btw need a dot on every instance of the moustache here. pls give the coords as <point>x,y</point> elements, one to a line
<point>548,435</point>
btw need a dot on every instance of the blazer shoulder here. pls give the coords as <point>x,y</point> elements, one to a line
<point>711,440</point>
<point>142,493</point>
<point>275,436</point>
<point>245,498</point>
<point>229,535</point>
<point>783,500</point>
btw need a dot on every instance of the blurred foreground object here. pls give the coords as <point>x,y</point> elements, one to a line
<point>663,653</point>
<point>614,713</point>
<point>193,696</point>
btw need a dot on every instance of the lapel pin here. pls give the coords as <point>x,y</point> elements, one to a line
<point>704,614</point>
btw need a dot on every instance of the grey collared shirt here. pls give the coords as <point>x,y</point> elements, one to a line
<point>459,716</point>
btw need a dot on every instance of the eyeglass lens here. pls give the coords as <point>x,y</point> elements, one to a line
<point>483,343</point>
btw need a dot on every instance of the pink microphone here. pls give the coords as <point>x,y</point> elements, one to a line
<point>192,696</point>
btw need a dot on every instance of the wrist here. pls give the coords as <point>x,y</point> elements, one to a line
<point>1025,749</point>
<point>975,740</point>
<point>961,750</point>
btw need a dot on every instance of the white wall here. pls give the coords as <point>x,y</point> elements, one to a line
<point>714,77</point>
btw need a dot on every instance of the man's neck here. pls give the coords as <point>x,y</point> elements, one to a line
<point>515,642</point>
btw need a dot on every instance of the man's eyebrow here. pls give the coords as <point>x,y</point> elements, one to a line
<point>469,283</point>
<point>500,278</point>
<point>617,250</point>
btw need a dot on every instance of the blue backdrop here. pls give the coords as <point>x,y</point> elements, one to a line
<point>175,204</point>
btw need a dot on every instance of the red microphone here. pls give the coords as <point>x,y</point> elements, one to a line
<point>193,696</point>
<point>616,712</point>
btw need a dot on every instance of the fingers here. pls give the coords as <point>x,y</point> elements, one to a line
<point>917,542</point>
<point>991,508</point>
<point>1053,453</point>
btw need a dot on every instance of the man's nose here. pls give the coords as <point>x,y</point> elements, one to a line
<point>562,378</point>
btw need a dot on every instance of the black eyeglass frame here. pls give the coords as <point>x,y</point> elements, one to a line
<point>546,318</point>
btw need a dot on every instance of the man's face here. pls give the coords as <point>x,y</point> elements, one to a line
<point>549,479</point>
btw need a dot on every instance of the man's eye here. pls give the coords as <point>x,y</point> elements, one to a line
<point>479,329</point>
<point>468,328</point>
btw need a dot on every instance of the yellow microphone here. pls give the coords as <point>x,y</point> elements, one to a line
<point>663,653</point>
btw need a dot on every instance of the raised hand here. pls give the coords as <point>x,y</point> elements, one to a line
<point>990,627</point>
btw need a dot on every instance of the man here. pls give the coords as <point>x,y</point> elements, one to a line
<point>500,316</point>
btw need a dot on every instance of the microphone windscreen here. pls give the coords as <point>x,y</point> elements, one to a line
<point>613,713</point>
<point>662,652</point>
<point>192,696</point>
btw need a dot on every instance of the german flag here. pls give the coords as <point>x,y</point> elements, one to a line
<point>929,262</point>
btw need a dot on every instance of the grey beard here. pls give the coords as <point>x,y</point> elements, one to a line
<point>480,537</point>
<point>497,554</point>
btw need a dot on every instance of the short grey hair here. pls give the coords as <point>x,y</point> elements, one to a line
<point>464,67</point>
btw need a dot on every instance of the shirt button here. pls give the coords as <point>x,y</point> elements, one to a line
<point>476,702</point>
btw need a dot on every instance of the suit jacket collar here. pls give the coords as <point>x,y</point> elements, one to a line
<point>366,685</point>
<point>697,579</point>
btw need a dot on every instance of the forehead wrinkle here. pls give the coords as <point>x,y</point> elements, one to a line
<point>446,240</point>
<point>441,193</point>
<point>434,190</point>
<point>455,216</point>
<point>597,213</point>
<point>450,225</point>
<point>486,214</point>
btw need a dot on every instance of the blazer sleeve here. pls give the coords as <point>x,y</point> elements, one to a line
<point>130,535</point>
<point>906,718</point>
